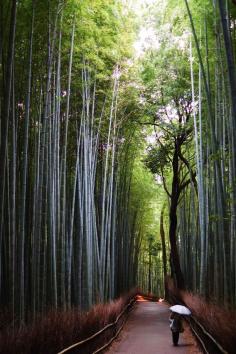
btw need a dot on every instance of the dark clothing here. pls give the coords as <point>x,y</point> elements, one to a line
<point>175,326</point>
<point>175,337</point>
<point>176,322</point>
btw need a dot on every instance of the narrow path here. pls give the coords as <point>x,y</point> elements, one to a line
<point>147,332</point>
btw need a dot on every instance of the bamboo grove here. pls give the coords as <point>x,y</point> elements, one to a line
<point>190,99</point>
<point>67,235</point>
<point>213,241</point>
<point>82,218</point>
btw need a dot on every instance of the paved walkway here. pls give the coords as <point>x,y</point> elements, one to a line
<point>147,332</point>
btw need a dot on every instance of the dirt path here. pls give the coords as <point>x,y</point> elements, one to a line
<point>147,332</point>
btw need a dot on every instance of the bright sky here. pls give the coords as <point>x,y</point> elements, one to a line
<point>148,37</point>
<point>138,4</point>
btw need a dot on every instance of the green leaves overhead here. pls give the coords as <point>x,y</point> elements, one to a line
<point>157,158</point>
<point>100,31</point>
<point>166,74</point>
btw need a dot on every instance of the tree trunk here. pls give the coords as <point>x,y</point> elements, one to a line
<point>174,254</point>
<point>163,245</point>
<point>5,116</point>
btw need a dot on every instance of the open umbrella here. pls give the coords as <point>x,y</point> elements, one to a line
<point>182,310</point>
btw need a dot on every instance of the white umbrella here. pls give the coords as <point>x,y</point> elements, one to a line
<point>182,310</point>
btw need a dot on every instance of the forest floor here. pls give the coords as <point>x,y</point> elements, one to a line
<point>147,332</point>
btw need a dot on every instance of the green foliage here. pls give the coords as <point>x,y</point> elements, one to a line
<point>157,159</point>
<point>144,192</point>
<point>101,31</point>
<point>166,74</point>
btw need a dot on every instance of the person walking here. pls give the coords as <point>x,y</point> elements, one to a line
<point>175,319</point>
<point>176,327</point>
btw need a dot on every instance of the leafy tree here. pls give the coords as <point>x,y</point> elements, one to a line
<point>171,113</point>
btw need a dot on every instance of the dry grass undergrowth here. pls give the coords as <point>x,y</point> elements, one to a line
<point>60,329</point>
<point>218,320</point>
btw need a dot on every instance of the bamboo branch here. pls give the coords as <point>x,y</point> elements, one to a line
<point>164,184</point>
<point>192,174</point>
